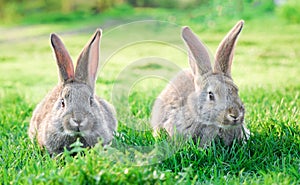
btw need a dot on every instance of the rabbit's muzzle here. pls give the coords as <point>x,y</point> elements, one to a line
<point>233,116</point>
<point>78,124</point>
<point>234,119</point>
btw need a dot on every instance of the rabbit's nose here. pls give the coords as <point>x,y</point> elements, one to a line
<point>77,122</point>
<point>234,117</point>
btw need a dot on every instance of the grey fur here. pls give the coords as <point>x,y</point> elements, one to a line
<point>82,114</point>
<point>203,102</point>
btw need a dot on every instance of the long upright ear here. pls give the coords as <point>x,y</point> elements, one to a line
<point>87,64</point>
<point>63,59</point>
<point>224,54</point>
<point>198,56</point>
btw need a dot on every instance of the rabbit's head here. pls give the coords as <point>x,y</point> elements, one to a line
<point>76,110</point>
<point>216,98</point>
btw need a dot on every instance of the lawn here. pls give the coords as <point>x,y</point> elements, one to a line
<point>140,52</point>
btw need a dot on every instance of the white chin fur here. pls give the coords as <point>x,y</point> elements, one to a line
<point>229,126</point>
<point>226,126</point>
<point>81,133</point>
<point>72,133</point>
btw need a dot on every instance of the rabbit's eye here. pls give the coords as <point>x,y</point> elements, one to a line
<point>62,102</point>
<point>211,96</point>
<point>91,101</point>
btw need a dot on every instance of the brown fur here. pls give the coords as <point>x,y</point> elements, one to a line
<point>71,110</point>
<point>185,106</point>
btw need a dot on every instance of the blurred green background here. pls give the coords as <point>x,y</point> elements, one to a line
<point>50,11</point>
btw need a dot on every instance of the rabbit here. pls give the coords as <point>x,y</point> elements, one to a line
<point>71,110</point>
<point>203,102</point>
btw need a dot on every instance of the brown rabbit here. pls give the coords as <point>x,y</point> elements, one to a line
<point>72,110</point>
<point>203,102</point>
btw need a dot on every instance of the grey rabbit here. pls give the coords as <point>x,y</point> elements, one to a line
<point>203,102</point>
<point>71,110</point>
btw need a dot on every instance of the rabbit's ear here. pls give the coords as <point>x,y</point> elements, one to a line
<point>198,56</point>
<point>87,64</point>
<point>63,59</point>
<point>224,54</point>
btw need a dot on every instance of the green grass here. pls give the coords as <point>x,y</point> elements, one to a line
<point>266,68</point>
